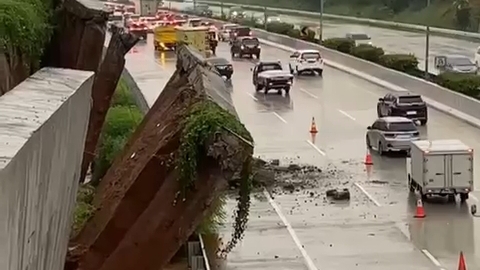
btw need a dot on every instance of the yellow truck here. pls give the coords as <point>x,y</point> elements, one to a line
<point>196,37</point>
<point>165,37</point>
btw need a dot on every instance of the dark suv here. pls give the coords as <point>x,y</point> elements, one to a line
<point>222,66</point>
<point>406,105</point>
<point>245,46</point>
<point>239,31</point>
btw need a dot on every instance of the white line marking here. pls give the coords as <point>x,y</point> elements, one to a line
<point>347,115</point>
<point>308,260</point>
<point>252,96</point>
<point>473,197</point>
<point>367,194</point>
<point>316,148</point>
<point>279,117</point>
<point>431,258</point>
<point>308,93</point>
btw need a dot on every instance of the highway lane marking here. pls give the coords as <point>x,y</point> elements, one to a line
<point>308,93</point>
<point>473,197</point>
<point>432,258</point>
<point>367,194</point>
<point>296,240</point>
<point>279,117</point>
<point>347,115</point>
<point>316,148</point>
<point>252,96</point>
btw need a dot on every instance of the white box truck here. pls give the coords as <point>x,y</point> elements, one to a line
<point>440,167</point>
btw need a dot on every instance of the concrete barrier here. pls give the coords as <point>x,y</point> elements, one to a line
<point>44,121</point>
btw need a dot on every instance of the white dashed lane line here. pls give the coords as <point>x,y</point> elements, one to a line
<point>280,118</point>
<point>347,115</point>
<point>316,148</point>
<point>308,93</point>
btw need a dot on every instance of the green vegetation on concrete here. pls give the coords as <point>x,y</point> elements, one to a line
<point>454,14</point>
<point>468,84</point>
<point>204,121</point>
<point>25,27</point>
<point>84,208</point>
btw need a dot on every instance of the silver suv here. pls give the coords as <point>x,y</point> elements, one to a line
<point>392,133</point>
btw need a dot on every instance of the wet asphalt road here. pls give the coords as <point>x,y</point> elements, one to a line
<point>392,41</point>
<point>376,229</point>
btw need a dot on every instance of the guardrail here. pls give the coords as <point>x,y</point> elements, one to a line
<point>197,255</point>
<point>405,26</point>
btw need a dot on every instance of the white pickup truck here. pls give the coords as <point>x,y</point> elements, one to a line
<point>440,167</point>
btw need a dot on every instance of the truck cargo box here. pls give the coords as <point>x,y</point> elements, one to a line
<point>440,167</point>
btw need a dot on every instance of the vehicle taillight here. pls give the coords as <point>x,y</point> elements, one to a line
<point>250,33</point>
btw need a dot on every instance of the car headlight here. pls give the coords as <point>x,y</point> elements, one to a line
<point>241,47</point>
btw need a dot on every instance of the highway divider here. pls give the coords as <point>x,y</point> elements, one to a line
<point>378,23</point>
<point>397,74</point>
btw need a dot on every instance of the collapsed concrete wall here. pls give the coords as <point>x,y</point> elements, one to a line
<point>140,221</point>
<point>42,134</point>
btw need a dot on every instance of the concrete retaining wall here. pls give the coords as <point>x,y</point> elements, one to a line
<point>43,124</point>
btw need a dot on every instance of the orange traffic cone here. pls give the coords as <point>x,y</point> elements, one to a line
<point>368,158</point>
<point>313,128</point>
<point>420,211</point>
<point>461,262</point>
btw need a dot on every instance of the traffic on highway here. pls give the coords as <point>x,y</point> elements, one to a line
<point>354,120</point>
<point>393,41</point>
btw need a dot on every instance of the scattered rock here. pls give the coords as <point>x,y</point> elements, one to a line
<point>338,194</point>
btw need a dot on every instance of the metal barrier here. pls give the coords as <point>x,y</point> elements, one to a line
<point>406,26</point>
<point>197,255</point>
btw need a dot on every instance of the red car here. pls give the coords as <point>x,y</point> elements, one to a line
<point>139,29</point>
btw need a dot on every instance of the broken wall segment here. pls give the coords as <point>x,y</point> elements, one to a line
<point>141,219</point>
<point>79,39</point>
<point>44,123</point>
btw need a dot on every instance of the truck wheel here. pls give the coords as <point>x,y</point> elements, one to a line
<point>411,187</point>
<point>287,90</point>
<point>291,69</point>
<point>258,56</point>
<point>298,72</point>
<point>451,198</point>
<point>320,72</point>
<point>258,87</point>
<point>266,90</point>
<point>463,197</point>
<point>423,122</point>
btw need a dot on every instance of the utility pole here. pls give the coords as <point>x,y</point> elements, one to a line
<point>427,45</point>
<point>320,32</point>
<point>265,17</point>
<point>221,9</point>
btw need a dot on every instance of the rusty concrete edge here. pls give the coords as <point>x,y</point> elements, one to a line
<point>142,104</point>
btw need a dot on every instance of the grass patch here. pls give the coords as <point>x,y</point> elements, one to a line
<point>84,208</point>
<point>25,27</point>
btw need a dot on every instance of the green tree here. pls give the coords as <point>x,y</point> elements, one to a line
<point>462,13</point>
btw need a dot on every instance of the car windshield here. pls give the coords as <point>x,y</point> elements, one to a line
<point>274,19</point>
<point>271,66</point>
<point>410,99</point>
<point>459,61</point>
<point>358,36</point>
<point>311,55</point>
<point>401,126</point>
<point>250,41</point>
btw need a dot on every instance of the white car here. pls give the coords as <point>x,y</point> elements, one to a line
<point>360,38</point>
<point>225,31</point>
<point>477,57</point>
<point>306,60</point>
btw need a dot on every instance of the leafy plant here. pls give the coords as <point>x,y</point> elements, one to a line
<point>368,52</point>
<point>204,120</point>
